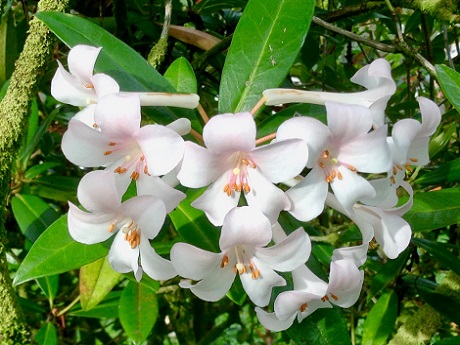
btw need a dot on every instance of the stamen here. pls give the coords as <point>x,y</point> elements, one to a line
<point>399,167</point>
<point>224,261</point>
<point>408,167</point>
<point>135,175</point>
<point>146,170</point>
<point>414,160</point>
<point>325,298</point>
<point>95,126</point>
<point>334,297</point>
<point>339,175</point>
<point>89,86</point>
<point>111,227</point>
<point>325,154</point>
<point>227,190</point>
<point>120,170</point>
<point>111,143</point>
<point>303,307</point>
<point>392,179</point>
<point>106,153</point>
<point>394,170</point>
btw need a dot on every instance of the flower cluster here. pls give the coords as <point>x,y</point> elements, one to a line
<point>349,164</point>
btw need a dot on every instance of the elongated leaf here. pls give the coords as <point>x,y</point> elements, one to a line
<point>194,37</point>
<point>323,327</point>
<point>434,210</point>
<point>108,308</point>
<point>181,76</point>
<point>440,252</point>
<point>387,273</point>
<point>236,292</point>
<point>213,6</point>
<point>47,335</point>
<point>446,305</point>
<point>138,311</point>
<point>448,172</point>
<point>96,280</point>
<point>450,84</point>
<point>49,286</point>
<point>449,341</point>
<point>33,215</point>
<point>117,59</point>
<point>193,226</point>
<point>56,252</point>
<point>381,320</point>
<point>266,42</point>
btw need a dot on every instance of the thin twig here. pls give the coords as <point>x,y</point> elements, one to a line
<point>266,138</point>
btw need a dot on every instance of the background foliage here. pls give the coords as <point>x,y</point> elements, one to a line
<point>69,293</point>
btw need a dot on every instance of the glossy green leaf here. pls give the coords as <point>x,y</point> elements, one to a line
<point>434,210</point>
<point>323,327</point>
<point>440,141</point>
<point>236,292</point>
<point>193,226</point>
<point>138,311</point>
<point>39,169</point>
<point>266,42</point>
<point>96,280</point>
<point>449,341</point>
<point>448,306</point>
<point>108,308</point>
<point>117,59</point>
<point>449,80</point>
<point>33,215</point>
<point>440,252</point>
<point>56,252</point>
<point>212,6</point>
<point>47,335</point>
<point>387,273</point>
<point>445,173</point>
<point>49,285</point>
<point>381,320</point>
<point>181,76</point>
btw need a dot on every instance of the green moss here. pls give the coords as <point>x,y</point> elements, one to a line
<point>158,52</point>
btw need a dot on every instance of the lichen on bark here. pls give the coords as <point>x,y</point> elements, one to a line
<point>14,109</point>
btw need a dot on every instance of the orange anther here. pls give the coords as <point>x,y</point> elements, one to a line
<point>106,153</point>
<point>303,307</point>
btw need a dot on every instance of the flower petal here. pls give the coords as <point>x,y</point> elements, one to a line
<point>288,254</point>
<point>153,264</point>
<point>122,257</point>
<point>89,228</point>
<point>153,185</point>
<point>259,290</point>
<point>281,160</point>
<point>97,192</point>
<point>227,133</point>
<point>345,282</point>
<point>347,121</point>
<point>162,147</point>
<point>271,322</point>
<point>81,60</point>
<point>304,279</point>
<point>245,226</point>
<point>104,85</point>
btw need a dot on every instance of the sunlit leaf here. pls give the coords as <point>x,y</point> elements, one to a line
<point>181,76</point>
<point>440,252</point>
<point>449,80</point>
<point>47,335</point>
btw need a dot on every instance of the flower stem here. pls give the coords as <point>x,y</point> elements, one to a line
<point>196,135</point>
<point>266,138</point>
<point>66,309</point>
<point>259,104</point>
<point>202,113</point>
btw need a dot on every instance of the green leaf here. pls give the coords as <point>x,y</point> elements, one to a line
<point>450,84</point>
<point>32,214</point>
<point>56,252</point>
<point>193,226</point>
<point>434,210</point>
<point>440,141</point>
<point>212,6</point>
<point>181,76</point>
<point>107,309</point>
<point>47,335</point>
<point>39,169</point>
<point>323,327</point>
<point>96,280</point>
<point>49,286</point>
<point>387,273</point>
<point>116,59</point>
<point>445,305</point>
<point>440,252</point>
<point>237,294</point>
<point>446,173</point>
<point>266,42</point>
<point>138,311</point>
<point>448,341</point>
<point>381,320</point>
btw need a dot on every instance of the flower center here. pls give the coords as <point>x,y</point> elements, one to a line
<point>326,297</point>
<point>330,166</point>
<point>238,177</point>
<point>399,167</point>
<point>131,230</point>
<point>243,263</point>
<point>135,163</point>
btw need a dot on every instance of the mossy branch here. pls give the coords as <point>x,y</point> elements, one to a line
<point>14,109</point>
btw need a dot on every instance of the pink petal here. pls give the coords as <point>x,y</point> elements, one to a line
<point>245,225</point>
<point>281,160</point>
<point>227,133</point>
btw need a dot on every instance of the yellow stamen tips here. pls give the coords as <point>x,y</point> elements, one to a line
<point>414,160</point>
<point>111,143</point>
<point>236,171</point>
<point>240,268</point>
<point>303,307</point>
<point>89,86</point>
<point>224,261</point>
<point>255,274</point>
<point>399,167</point>
<point>246,188</point>
<point>392,179</point>
<point>237,187</point>
<point>395,171</point>
<point>408,167</point>
<point>334,297</point>
<point>322,165</point>
<point>142,158</point>
<point>249,162</point>
<point>325,298</point>
<point>111,227</point>
<point>120,170</point>
<point>106,153</point>
<point>227,190</point>
<point>135,175</point>
<point>325,154</point>
<point>95,126</point>
<point>339,175</point>
<point>146,170</point>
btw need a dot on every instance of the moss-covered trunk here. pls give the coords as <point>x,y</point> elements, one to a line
<point>14,109</point>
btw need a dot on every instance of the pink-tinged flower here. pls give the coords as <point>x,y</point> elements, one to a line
<point>132,222</point>
<point>80,87</point>
<point>410,139</point>
<point>245,234</point>
<point>311,293</point>
<point>233,165</point>
<point>123,147</point>
<point>335,154</point>
<point>375,77</point>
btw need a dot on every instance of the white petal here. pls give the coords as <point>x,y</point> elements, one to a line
<point>104,85</point>
<point>227,133</point>
<point>259,290</point>
<point>265,196</point>
<point>245,225</point>
<point>287,255</point>
<point>162,147</point>
<point>308,197</point>
<point>201,167</point>
<point>356,254</point>
<point>122,257</point>
<point>81,60</point>
<point>68,89</point>
<point>282,160</point>
<point>97,192</point>
<point>89,228</point>
<point>86,115</point>
<point>152,185</point>
<point>181,126</point>
<point>215,202</point>
<point>431,116</point>
<point>304,279</point>
<point>404,132</point>
<point>154,265</point>
<point>345,283</point>
<point>288,303</point>
<point>271,322</point>
<point>347,121</point>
